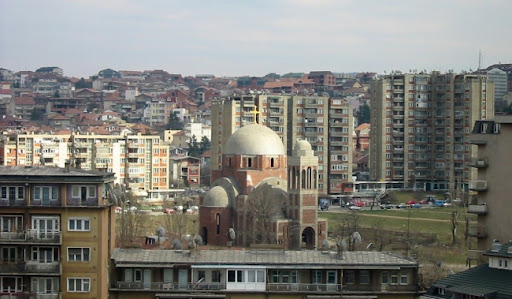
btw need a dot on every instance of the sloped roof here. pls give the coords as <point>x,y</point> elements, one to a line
<point>24,101</point>
<point>477,281</point>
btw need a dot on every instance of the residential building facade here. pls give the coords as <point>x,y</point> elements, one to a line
<point>492,137</point>
<point>139,161</point>
<point>420,127</point>
<point>261,273</point>
<point>56,232</point>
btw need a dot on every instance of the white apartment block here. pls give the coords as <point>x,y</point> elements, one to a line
<point>139,161</point>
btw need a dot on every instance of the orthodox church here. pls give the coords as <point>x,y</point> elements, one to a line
<point>261,196</point>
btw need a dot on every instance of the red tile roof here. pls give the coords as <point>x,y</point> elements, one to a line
<point>24,101</point>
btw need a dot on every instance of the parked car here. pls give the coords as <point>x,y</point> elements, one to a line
<point>359,204</point>
<point>439,203</point>
<point>416,205</point>
<point>157,209</point>
<point>169,211</point>
<point>423,202</point>
<point>410,202</point>
<point>447,204</point>
<point>401,206</point>
<point>386,207</point>
<point>354,207</point>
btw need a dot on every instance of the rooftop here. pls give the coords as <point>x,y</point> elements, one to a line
<point>261,257</point>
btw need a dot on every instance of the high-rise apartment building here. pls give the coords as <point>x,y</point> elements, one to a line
<point>491,204</point>
<point>420,126</point>
<point>56,232</point>
<point>327,124</point>
<point>139,161</point>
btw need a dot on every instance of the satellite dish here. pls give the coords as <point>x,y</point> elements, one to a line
<point>160,231</point>
<point>232,234</point>
<point>342,243</point>
<point>176,244</point>
<point>356,237</point>
<point>199,240</point>
<point>325,244</point>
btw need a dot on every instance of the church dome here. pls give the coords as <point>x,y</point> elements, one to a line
<point>254,140</point>
<point>216,197</point>
<point>302,145</point>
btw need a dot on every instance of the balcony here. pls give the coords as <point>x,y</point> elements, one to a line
<point>477,209</point>
<point>20,202</point>
<point>398,108</point>
<point>274,105</point>
<point>477,231</point>
<point>32,237</point>
<point>478,162</point>
<point>31,268</point>
<point>337,124</point>
<point>167,286</point>
<point>478,185</point>
<point>477,140</point>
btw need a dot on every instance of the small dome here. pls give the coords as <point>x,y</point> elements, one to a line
<point>302,145</point>
<point>216,197</point>
<point>254,140</point>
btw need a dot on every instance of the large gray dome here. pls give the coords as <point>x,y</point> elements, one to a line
<point>216,197</point>
<point>254,140</point>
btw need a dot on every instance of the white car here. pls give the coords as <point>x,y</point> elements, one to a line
<point>354,208</point>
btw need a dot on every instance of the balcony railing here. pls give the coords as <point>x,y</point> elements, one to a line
<point>477,231</point>
<point>31,236</point>
<point>30,267</point>
<point>25,295</point>
<point>478,185</point>
<point>271,287</point>
<point>478,162</point>
<point>477,209</point>
<point>303,287</point>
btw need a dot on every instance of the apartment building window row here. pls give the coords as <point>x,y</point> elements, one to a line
<point>79,224</point>
<point>79,284</point>
<point>79,254</point>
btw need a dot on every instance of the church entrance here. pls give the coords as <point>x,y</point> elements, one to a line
<point>205,235</point>
<point>308,238</point>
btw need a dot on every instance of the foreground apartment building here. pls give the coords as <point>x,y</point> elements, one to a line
<point>139,161</point>
<point>420,127</point>
<point>56,232</point>
<point>326,123</point>
<point>261,274</point>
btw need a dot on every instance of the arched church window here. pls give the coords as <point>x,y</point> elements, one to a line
<point>303,186</point>
<point>249,162</point>
<point>272,162</point>
<point>217,220</point>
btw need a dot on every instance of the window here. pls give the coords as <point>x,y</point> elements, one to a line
<point>384,278</point>
<point>350,277</point>
<point>331,277</point>
<point>45,193</point>
<point>394,278</point>
<point>79,284</point>
<point>200,275</point>
<point>79,224</point>
<point>79,254</point>
<point>12,192</point>
<point>235,276</point>
<point>11,284</point>
<point>138,275</point>
<point>316,276</point>
<point>364,277</point>
<point>404,278</point>
<point>215,276</point>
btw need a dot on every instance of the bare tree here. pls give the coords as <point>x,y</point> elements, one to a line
<point>130,222</point>
<point>265,205</point>
<point>455,223</point>
<point>381,237</point>
<point>347,226</point>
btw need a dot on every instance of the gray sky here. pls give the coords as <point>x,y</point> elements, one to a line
<point>250,37</point>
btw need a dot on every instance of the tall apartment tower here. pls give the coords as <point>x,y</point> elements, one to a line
<point>327,124</point>
<point>56,232</point>
<point>420,127</point>
<point>493,163</point>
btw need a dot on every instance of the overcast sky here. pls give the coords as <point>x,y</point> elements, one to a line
<point>250,37</point>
